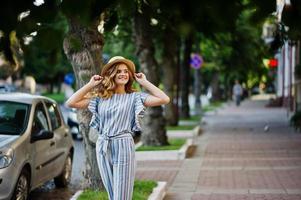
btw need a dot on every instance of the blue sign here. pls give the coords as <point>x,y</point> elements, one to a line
<point>196,61</point>
<point>69,79</point>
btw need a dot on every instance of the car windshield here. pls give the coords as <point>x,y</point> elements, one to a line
<point>13,118</point>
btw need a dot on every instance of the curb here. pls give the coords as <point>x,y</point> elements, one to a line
<point>158,193</point>
<point>139,144</point>
<point>76,195</point>
<point>165,154</point>
<point>197,131</point>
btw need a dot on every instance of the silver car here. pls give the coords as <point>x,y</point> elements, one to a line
<point>35,145</point>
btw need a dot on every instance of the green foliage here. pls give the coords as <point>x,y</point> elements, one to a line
<point>119,42</point>
<point>260,9</point>
<point>212,106</point>
<point>235,55</point>
<point>203,16</point>
<point>142,189</point>
<point>93,195</point>
<point>193,118</point>
<point>174,144</point>
<point>60,97</point>
<point>46,66</point>
<point>54,30</point>
<point>75,43</point>
<point>111,20</point>
<point>216,52</point>
<point>48,20</point>
<point>249,50</point>
<point>180,127</point>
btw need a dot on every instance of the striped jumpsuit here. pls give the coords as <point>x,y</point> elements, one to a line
<point>115,119</point>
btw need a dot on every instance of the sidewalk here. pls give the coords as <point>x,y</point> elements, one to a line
<point>246,152</point>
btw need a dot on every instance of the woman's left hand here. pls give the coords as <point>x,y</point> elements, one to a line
<point>140,78</point>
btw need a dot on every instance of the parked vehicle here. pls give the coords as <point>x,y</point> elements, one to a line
<point>35,145</point>
<point>73,124</point>
<point>7,88</point>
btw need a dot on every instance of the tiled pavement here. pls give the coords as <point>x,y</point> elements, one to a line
<point>236,158</point>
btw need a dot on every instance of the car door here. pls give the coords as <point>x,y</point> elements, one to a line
<point>41,149</point>
<point>61,136</point>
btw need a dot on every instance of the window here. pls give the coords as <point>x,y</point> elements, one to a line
<point>40,120</point>
<point>54,115</point>
<point>13,118</point>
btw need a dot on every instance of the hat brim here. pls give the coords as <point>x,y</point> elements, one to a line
<point>127,62</point>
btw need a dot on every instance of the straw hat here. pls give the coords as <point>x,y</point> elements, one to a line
<point>118,59</point>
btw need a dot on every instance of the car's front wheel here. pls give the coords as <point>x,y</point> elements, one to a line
<point>22,187</point>
<point>64,178</point>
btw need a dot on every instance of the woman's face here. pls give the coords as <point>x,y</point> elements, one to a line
<point>122,76</point>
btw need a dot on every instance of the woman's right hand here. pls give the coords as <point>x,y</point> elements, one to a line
<point>95,80</point>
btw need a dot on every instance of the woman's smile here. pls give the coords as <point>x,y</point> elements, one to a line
<point>122,76</point>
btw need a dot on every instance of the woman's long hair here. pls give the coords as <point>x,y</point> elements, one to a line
<point>108,85</point>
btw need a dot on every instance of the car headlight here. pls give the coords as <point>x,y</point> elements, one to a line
<point>6,157</point>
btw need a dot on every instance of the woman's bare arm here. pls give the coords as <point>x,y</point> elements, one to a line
<point>157,97</point>
<point>78,99</point>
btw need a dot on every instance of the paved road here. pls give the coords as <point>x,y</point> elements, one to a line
<point>246,153</point>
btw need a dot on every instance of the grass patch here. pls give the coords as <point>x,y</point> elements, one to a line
<point>174,144</point>
<point>180,127</point>
<point>195,118</point>
<point>212,106</point>
<point>58,97</point>
<point>142,189</point>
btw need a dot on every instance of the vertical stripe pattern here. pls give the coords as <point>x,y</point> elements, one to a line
<point>114,118</point>
<point>118,113</point>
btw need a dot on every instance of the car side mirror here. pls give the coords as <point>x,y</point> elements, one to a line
<point>42,135</point>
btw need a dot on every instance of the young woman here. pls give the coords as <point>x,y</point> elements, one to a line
<point>115,116</point>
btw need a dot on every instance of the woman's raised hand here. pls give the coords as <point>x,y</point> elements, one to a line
<point>140,78</point>
<point>95,80</point>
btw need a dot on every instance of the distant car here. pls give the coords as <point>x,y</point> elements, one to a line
<point>270,89</point>
<point>255,90</point>
<point>35,145</point>
<point>7,88</point>
<point>73,124</point>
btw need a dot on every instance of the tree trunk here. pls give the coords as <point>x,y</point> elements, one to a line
<point>153,123</point>
<point>185,69</point>
<point>83,47</point>
<point>228,87</point>
<point>215,87</point>
<point>51,89</point>
<point>169,70</point>
<point>178,80</point>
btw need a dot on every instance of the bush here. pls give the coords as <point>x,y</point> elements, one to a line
<point>58,97</point>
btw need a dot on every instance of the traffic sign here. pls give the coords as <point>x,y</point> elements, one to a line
<point>69,79</point>
<point>196,61</point>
